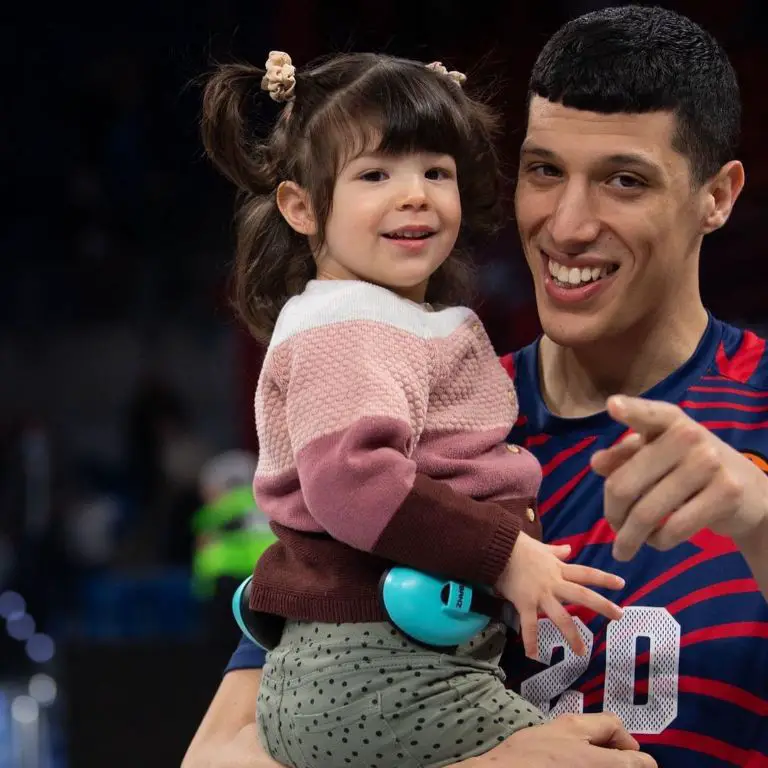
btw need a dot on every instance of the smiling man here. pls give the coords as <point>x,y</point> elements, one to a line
<point>627,164</point>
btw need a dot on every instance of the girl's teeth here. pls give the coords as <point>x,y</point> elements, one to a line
<point>411,234</point>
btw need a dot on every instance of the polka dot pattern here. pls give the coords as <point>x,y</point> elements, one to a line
<point>365,695</point>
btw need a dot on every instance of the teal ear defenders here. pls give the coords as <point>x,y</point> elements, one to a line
<point>262,629</point>
<point>439,612</point>
<point>430,610</point>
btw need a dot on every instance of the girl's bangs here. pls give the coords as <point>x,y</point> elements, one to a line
<point>396,112</point>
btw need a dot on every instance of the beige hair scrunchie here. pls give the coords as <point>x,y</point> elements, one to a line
<point>458,77</point>
<point>280,80</point>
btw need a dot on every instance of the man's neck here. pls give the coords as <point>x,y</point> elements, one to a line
<point>577,381</point>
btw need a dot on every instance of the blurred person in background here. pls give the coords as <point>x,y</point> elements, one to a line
<point>231,533</point>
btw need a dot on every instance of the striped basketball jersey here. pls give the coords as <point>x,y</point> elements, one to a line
<point>686,668</point>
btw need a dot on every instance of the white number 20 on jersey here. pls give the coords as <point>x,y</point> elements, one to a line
<point>660,708</point>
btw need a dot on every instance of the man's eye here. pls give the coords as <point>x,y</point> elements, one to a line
<point>626,181</point>
<point>544,170</point>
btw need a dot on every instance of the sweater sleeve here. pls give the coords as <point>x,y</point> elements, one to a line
<point>356,400</point>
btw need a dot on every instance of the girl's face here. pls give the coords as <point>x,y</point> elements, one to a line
<point>394,220</point>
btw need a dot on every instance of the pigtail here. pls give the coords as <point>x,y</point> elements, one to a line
<point>272,262</point>
<point>225,128</point>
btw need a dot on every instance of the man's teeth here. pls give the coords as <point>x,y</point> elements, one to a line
<point>575,276</point>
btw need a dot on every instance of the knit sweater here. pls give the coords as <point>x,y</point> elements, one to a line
<point>382,429</point>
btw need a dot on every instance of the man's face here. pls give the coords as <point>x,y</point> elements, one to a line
<point>609,218</point>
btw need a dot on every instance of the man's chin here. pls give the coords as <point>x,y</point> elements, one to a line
<point>573,330</point>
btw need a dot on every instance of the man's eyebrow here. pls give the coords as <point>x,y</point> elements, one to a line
<point>529,148</point>
<point>619,158</point>
<point>632,158</point>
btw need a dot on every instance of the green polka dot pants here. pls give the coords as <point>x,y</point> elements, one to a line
<point>364,695</point>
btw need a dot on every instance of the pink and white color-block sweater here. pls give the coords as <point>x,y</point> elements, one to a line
<point>382,431</point>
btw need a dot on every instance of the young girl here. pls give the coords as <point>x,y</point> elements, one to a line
<point>381,409</point>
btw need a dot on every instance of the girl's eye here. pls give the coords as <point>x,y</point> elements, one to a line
<point>437,174</point>
<point>373,176</point>
<point>544,170</point>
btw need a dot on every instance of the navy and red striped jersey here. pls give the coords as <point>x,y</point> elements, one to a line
<point>686,668</point>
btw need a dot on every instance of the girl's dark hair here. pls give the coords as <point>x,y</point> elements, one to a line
<point>340,107</point>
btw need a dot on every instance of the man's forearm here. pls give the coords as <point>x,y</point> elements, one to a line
<point>755,551</point>
<point>227,736</point>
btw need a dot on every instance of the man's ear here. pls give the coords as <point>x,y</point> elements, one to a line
<point>296,208</point>
<point>722,190</point>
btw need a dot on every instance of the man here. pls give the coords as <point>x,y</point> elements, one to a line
<point>628,162</point>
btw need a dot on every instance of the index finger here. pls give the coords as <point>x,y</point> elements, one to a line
<point>647,417</point>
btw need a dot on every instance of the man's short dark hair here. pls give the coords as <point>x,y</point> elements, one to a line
<point>637,59</point>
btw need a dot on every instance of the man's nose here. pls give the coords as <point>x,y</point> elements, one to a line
<point>573,224</point>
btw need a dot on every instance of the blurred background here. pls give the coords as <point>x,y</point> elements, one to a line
<point>126,428</point>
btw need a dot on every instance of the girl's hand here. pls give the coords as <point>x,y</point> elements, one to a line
<point>537,580</point>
